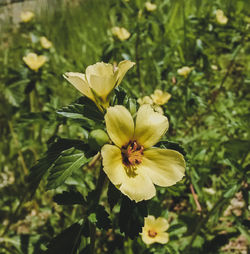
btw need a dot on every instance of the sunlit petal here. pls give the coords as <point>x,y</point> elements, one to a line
<point>112,164</point>
<point>138,188</point>
<point>161,224</point>
<point>78,80</point>
<point>164,166</point>
<point>162,238</point>
<point>150,126</point>
<point>120,125</point>
<point>123,67</point>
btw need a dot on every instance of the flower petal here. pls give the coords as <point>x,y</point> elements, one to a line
<point>120,125</point>
<point>164,166</point>
<point>162,238</point>
<point>102,86</point>
<point>150,126</point>
<point>122,68</point>
<point>78,80</point>
<point>146,238</point>
<point>112,164</point>
<point>161,224</point>
<point>101,78</point>
<point>138,188</point>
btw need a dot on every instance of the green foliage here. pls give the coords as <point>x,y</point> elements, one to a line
<point>67,162</point>
<point>131,217</point>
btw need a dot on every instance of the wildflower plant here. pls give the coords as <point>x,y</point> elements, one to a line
<point>123,140</point>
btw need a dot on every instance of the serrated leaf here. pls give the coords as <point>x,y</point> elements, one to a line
<point>67,241</point>
<point>113,195</point>
<point>68,161</point>
<point>131,217</point>
<point>83,109</point>
<point>44,164</point>
<point>69,198</point>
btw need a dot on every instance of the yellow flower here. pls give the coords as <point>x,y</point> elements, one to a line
<point>121,33</point>
<point>45,42</point>
<point>150,7</point>
<point>154,230</point>
<point>26,16</point>
<point>184,71</point>
<point>158,109</point>
<point>220,17</point>
<point>34,61</point>
<point>99,81</point>
<point>145,100</point>
<point>159,97</point>
<point>132,164</point>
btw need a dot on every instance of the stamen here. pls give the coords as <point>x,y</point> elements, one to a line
<point>152,233</point>
<point>132,156</point>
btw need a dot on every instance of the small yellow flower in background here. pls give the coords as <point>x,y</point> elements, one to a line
<point>34,61</point>
<point>99,81</point>
<point>145,100</point>
<point>184,71</point>
<point>220,17</point>
<point>154,230</point>
<point>160,98</point>
<point>45,42</point>
<point>121,33</point>
<point>150,7</point>
<point>132,164</point>
<point>27,16</point>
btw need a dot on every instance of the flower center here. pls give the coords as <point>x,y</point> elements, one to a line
<point>132,156</point>
<point>152,233</point>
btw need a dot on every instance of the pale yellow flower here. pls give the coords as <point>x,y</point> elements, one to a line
<point>145,100</point>
<point>27,16</point>
<point>99,81</point>
<point>45,42</point>
<point>158,109</point>
<point>34,61</point>
<point>132,164</point>
<point>159,97</point>
<point>154,230</point>
<point>184,71</point>
<point>220,17</point>
<point>150,7</point>
<point>121,33</point>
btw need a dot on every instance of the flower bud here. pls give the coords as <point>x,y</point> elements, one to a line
<point>97,138</point>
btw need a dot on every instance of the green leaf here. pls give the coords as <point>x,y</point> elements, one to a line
<point>131,217</point>
<point>92,218</point>
<point>43,165</point>
<point>15,92</point>
<point>171,145</point>
<point>68,161</point>
<point>103,221</point>
<point>113,195</point>
<point>120,97</point>
<point>69,198</point>
<point>67,241</point>
<point>236,148</point>
<point>83,109</point>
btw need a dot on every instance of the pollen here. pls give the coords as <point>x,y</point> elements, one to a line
<point>132,154</point>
